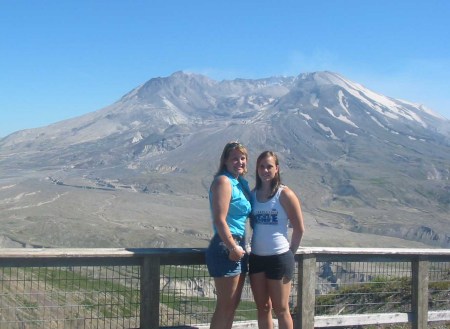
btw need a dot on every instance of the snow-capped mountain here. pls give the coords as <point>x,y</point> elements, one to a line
<point>357,158</point>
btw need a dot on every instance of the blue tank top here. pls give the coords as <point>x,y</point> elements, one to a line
<point>240,206</point>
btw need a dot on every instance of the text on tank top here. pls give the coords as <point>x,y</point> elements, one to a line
<point>270,230</point>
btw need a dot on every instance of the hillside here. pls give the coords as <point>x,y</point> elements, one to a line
<point>370,170</point>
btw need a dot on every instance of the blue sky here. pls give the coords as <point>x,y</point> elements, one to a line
<point>62,58</point>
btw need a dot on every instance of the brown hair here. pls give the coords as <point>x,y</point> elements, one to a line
<point>230,146</point>
<point>276,181</point>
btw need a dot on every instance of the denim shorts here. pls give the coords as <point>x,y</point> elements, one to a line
<point>219,265</point>
<point>275,267</point>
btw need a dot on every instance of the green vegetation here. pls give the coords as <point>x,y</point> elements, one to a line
<point>184,272</point>
<point>201,308</point>
<point>90,295</point>
<point>381,294</point>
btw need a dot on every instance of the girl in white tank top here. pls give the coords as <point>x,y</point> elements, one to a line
<point>271,261</point>
<point>270,226</point>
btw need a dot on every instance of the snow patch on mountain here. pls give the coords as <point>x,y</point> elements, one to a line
<point>169,104</point>
<point>377,122</point>
<point>306,116</point>
<point>343,101</point>
<point>314,101</point>
<point>328,130</point>
<point>396,110</point>
<point>350,133</point>
<point>434,174</point>
<point>380,103</point>
<point>341,117</point>
<point>422,108</point>
<point>137,138</point>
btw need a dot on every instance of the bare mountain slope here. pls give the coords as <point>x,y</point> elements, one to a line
<point>365,165</point>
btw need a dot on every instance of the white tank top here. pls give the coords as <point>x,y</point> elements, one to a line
<point>270,228</point>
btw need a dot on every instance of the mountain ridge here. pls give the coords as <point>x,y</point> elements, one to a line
<point>354,156</point>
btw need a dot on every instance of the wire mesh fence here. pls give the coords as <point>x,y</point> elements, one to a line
<point>188,297</point>
<point>439,286</point>
<point>69,297</point>
<point>356,288</point>
<point>87,297</point>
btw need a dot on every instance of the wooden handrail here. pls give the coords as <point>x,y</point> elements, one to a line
<point>150,260</point>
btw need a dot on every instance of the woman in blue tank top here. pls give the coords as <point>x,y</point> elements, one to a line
<point>226,259</point>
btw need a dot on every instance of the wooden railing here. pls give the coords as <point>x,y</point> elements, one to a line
<point>419,259</point>
<point>150,262</point>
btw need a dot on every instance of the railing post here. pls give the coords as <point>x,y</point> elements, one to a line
<point>306,295</point>
<point>150,273</point>
<point>419,293</point>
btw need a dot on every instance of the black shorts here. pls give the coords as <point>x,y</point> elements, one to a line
<point>275,267</point>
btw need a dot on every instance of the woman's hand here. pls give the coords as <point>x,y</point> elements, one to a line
<point>236,253</point>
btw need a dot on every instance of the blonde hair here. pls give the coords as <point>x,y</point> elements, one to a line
<point>230,146</point>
